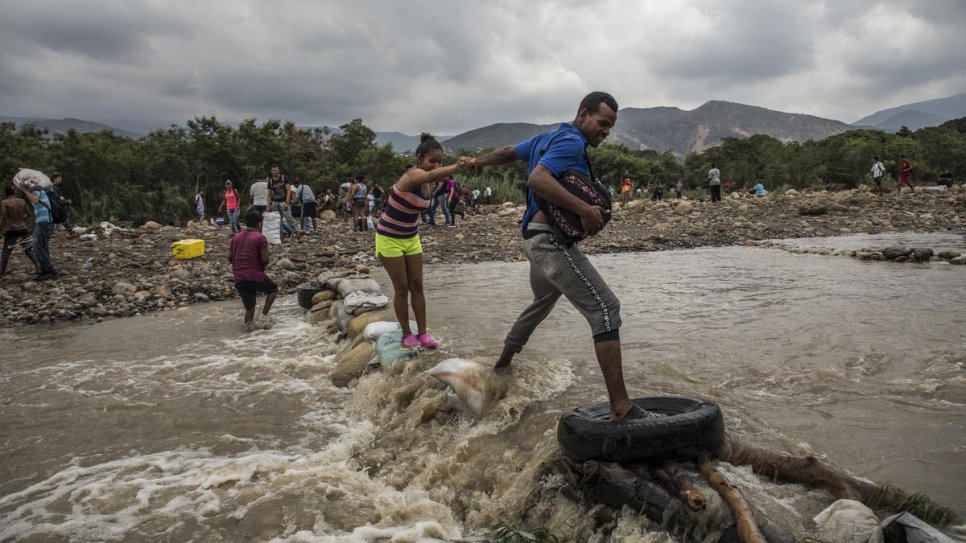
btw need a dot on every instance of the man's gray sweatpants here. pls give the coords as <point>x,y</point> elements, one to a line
<point>556,269</point>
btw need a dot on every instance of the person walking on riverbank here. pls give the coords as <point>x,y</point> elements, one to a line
<point>229,202</point>
<point>248,254</point>
<point>905,175</point>
<point>259,195</point>
<point>280,198</point>
<point>878,172</point>
<point>200,206</point>
<point>397,242</point>
<point>43,229</point>
<point>557,268</point>
<point>13,224</point>
<point>302,195</point>
<point>714,183</point>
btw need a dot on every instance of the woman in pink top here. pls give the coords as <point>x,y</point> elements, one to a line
<point>230,202</point>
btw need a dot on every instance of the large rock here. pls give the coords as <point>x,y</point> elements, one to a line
<point>327,215</point>
<point>892,253</point>
<point>122,287</point>
<point>352,364</point>
<point>684,208</point>
<point>151,225</point>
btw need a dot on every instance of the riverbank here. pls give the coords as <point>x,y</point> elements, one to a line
<point>131,271</point>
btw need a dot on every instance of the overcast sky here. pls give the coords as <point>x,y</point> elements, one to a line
<point>451,66</point>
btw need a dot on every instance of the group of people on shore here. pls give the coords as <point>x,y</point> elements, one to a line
<point>49,208</point>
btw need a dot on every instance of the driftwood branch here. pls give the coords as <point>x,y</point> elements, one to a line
<point>748,530</point>
<point>691,498</point>
<point>796,469</point>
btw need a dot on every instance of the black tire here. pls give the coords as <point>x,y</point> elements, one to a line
<point>305,293</point>
<point>688,428</point>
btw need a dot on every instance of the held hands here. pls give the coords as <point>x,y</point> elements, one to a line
<point>465,161</point>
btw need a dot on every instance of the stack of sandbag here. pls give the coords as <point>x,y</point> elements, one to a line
<point>347,300</point>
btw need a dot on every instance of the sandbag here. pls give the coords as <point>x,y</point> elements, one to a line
<point>272,227</point>
<point>349,285</point>
<point>322,296</point>
<point>359,302</point>
<point>846,521</point>
<point>907,528</point>
<point>374,330</point>
<point>467,379</point>
<point>389,348</point>
<point>32,180</point>
<point>351,365</point>
<point>359,323</point>
<point>341,315</point>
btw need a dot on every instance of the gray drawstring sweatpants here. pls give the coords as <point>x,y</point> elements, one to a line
<point>556,269</point>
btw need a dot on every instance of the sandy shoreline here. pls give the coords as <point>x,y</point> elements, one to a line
<point>133,272</point>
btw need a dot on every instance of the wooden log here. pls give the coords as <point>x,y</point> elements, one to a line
<point>796,469</point>
<point>691,498</point>
<point>748,531</point>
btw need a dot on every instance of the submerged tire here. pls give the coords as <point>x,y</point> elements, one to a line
<point>305,293</point>
<point>689,427</point>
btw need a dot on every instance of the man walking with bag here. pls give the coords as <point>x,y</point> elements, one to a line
<point>557,267</point>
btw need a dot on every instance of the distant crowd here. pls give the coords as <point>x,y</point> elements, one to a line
<point>299,207</point>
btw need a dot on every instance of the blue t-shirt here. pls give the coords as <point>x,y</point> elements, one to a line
<point>558,151</point>
<point>759,190</point>
<point>42,207</point>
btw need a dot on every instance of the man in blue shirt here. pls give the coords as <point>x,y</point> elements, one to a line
<point>43,228</point>
<point>557,268</point>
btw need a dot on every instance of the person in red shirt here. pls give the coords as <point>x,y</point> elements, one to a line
<point>627,187</point>
<point>905,175</point>
<point>248,255</point>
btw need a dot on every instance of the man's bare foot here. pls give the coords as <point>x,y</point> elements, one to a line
<point>503,363</point>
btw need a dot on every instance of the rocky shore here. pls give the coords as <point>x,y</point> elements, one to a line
<point>114,272</point>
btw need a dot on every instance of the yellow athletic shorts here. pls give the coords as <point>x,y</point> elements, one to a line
<point>387,246</point>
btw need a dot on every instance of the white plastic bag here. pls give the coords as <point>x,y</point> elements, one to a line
<point>32,180</point>
<point>272,227</point>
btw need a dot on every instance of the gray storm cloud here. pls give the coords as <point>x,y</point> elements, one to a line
<point>448,67</point>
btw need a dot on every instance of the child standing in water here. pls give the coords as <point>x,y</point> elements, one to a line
<point>397,243</point>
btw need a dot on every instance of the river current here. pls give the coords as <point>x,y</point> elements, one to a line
<point>178,426</point>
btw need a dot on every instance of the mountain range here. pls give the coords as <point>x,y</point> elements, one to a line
<point>657,128</point>
<point>917,115</point>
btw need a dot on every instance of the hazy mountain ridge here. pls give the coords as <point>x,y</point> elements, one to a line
<point>917,115</point>
<point>658,128</point>
<point>61,126</point>
<point>673,129</point>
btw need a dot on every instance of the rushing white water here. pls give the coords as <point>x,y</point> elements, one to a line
<point>178,426</point>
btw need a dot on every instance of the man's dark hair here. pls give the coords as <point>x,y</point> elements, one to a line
<point>8,191</point>
<point>592,102</point>
<point>875,158</point>
<point>56,175</point>
<point>426,144</point>
<point>253,219</point>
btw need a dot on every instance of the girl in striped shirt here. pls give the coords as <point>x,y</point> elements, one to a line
<point>397,243</point>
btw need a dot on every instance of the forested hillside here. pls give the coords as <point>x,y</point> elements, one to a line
<point>114,178</point>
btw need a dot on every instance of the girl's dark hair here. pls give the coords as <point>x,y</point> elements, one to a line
<point>426,144</point>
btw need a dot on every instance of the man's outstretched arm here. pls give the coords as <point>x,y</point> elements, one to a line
<point>496,157</point>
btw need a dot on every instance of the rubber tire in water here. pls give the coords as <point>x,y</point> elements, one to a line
<point>689,427</point>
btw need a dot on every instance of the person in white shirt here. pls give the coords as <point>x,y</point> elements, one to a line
<point>714,183</point>
<point>878,172</point>
<point>259,194</point>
